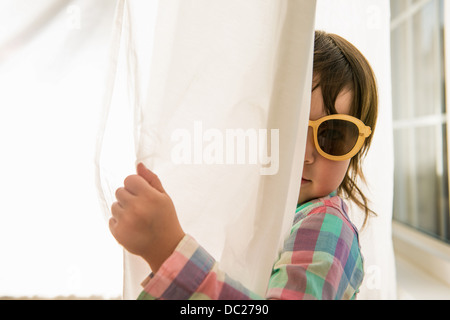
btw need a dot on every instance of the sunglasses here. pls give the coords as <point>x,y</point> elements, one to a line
<point>339,136</point>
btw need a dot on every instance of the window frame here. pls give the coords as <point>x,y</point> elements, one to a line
<point>430,254</point>
<point>432,121</point>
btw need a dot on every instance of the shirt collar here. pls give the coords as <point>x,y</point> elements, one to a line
<point>304,205</point>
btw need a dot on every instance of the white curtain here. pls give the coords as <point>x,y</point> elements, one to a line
<point>366,23</point>
<point>198,72</point>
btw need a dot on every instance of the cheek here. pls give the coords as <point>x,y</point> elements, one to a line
<point>332,174</point>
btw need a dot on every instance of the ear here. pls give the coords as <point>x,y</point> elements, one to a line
<point>150,177</point>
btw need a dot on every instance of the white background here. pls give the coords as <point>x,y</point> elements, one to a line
<point>54,239</point>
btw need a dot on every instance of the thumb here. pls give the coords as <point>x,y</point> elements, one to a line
<point>150,177</point>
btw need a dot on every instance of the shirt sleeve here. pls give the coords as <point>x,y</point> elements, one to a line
<point>192,273</point>
<point>320,260</point>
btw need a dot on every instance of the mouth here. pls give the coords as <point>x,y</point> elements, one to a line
<point>305,181</point>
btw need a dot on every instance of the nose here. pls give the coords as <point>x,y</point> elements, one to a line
<point>310,150</point>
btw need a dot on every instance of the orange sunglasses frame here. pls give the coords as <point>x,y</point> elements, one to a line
<point>364,132</point>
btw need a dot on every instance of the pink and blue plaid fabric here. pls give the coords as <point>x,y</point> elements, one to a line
<point>321,259</point>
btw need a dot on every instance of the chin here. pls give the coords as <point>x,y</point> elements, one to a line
<point>304,199</point>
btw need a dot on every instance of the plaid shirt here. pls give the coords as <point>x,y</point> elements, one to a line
<point>321,259</point>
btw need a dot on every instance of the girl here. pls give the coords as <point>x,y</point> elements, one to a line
<point>321,258</point>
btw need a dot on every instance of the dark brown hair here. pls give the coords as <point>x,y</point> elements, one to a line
<point>338,66</point>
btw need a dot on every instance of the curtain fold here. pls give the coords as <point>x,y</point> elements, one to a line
<point>217,104</point>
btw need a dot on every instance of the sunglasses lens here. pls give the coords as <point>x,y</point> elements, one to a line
<point>337,137</point>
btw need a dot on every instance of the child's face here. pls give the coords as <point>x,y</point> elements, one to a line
<point>321,176</point>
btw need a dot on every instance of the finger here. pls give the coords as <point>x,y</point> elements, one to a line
<point>116,210</point>
<point>150,177</point>
<point>113,227</point>
<point>112,224</point>
<point>123,196</point>
<point>135,184</point>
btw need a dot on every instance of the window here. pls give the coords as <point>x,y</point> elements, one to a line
<point>421,195</point>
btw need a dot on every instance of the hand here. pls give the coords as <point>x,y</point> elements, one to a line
<point>144,220</point>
